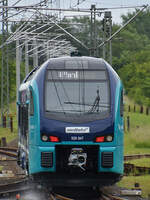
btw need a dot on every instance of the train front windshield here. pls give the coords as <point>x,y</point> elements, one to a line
<point>79,93</point>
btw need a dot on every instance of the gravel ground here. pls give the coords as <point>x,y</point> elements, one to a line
<point>10,170</point>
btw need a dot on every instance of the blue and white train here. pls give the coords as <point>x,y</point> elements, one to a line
<point>70,113</point>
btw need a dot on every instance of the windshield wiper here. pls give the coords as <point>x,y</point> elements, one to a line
<point>85,104</point>
<point>76,103</point>
<point>96,103</point>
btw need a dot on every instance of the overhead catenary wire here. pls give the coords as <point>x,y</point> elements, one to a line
<point>69,34</point>
<point>20,28</point>
<point>23,23</point>
<point>17,33</point>
<point>34,25</point>
<point>34,38</point>
<point>57,46</point>
<point>29,28</point>
<point>35,5</point>
<point>77,4</point>
<point>12,5</point>
<point>122,27</point>
<point>73,10</point>
<point>54,39</point>
<point>20,35</point>
<point>66,10</point>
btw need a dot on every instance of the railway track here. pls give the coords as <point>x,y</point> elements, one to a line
<point>59,197</point>
<point>12,149</point>
<point>110,197</point>
<point>136,156</point>
<point>9,151</point>
<point>14,187</point>
<point>131,169</point>
<point>102,196</point>
<point>27,186</point>
<point>21,185</point>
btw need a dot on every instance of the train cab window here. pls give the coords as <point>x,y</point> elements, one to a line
<point>121,104</point>
<point>31,104</point>
<point>73,93</point>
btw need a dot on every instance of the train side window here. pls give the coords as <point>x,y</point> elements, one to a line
<point>25,122</point>
<point>23,119</point>
<point>31,104</point>
<point>19,115</point>
<point>121,104</point>
<point>23,113</point>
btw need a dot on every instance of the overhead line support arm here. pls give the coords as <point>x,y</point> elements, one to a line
<point>122,27</point>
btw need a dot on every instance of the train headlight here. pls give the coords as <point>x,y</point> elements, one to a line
<point>44,138</point>
<point>109,138</point>
<point>49,138</point>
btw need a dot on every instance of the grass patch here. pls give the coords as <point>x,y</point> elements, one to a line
<point>137,120</point>
<point>142,145</point>
<point>5,132</point>
<point>137,141</point>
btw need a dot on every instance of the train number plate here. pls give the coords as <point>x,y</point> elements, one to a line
<point>77,130</point>
<point>77,138</point>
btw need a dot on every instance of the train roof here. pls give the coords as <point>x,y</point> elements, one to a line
<point>82,62</point>
<point>72,63</point>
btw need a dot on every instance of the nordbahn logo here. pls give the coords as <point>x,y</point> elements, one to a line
<point>77,129</point>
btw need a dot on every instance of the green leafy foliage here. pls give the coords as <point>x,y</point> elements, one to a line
<point>136,77</point>
<point>131,57</point>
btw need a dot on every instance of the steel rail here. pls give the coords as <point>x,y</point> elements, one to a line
<point>107,196</point>
<point>7,153</point>
<point>131,169</point>
<point>59,197</point>
<point>14,149</point>
<point>15,187</point>
<point>136,156</point>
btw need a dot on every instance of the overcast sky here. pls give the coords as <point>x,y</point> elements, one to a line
<point>116,13</point>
